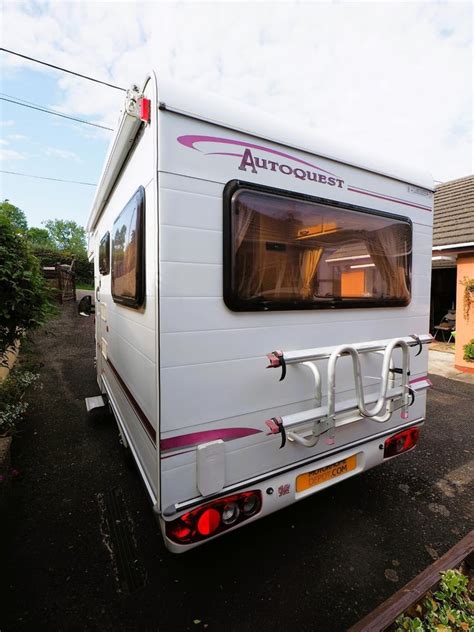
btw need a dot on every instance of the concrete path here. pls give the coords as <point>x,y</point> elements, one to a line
<point>318,566</point>
<point>442,363</point>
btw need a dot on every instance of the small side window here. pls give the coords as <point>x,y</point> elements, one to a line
<point>128,246</point>
<point>104,254</point>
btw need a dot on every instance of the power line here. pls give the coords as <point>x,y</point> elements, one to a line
<point>40,108</point>
<point>30,175</point>
<point>71,72</point>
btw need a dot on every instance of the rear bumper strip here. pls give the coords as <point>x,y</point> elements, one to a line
<point>172,510</point>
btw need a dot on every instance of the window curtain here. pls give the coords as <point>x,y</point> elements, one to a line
<point>388,248</point>
<point>242,218</point>
<point>309,261</point>
<point>248,251</point>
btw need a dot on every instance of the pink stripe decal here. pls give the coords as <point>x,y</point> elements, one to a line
<point>389,198</point>
<point>194,438</point>
<point>190,140</point>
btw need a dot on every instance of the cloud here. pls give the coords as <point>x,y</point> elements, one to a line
<point>3,141</point>
<point>10,154</point>
<point>392,78</point>
<point>17,137</point>
<point>65,154</point>
<point>7,123</point>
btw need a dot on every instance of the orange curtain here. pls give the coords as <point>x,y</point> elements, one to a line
<point>309,261</point>
<point>388,248</point>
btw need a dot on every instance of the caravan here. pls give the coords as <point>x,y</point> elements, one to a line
<point>262,302</point>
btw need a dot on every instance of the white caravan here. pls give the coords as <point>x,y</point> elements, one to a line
<point>262,307</point>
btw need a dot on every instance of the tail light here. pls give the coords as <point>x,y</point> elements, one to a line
<point>214,518</point>
<point>401,442</point>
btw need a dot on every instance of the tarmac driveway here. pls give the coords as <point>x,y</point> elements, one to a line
<point>80,548</point>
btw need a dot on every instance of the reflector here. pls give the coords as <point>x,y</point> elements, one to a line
<point>401,442</point>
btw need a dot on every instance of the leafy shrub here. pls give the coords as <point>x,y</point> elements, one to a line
<point>469,351</point>
<point>450,608</point>
<point>24,302</point>
<point>12,407</point>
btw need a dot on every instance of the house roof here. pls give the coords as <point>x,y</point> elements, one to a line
<point>454,212</point>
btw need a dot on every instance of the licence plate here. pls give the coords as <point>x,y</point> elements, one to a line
<point>323,474</point>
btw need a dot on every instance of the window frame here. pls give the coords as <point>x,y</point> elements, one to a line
<point>139,298</point>
<point>106,239</point>
<point>230,296</point>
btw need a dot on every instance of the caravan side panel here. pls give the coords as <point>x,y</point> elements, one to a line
<point>126,336</point>
<point>212,361</point>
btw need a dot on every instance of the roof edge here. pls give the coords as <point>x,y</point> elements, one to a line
<point>240,117</point>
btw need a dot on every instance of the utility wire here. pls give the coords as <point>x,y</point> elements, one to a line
<point>30,175</point>
<point>40,108</point>
<point>71,72</point>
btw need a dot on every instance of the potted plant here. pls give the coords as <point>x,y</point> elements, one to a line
<point>468,295</point>
<point>469,351</point>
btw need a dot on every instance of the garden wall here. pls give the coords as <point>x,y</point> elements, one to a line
<point>464,327</point>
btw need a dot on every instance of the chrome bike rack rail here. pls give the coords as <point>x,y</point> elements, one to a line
<point>325,418</point>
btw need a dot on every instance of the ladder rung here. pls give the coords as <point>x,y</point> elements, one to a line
<point>322,353</point>
<point>317,414</point>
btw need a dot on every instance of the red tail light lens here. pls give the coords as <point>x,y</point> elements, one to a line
<point>208,521</point>
<point>213,518</point>
<point>401,442</point>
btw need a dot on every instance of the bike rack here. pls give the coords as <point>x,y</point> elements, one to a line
<point>377,407</point>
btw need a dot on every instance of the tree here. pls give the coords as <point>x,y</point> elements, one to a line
<point>39,239</point>
<point>24,300</point>
<point>15,215</point>
<point>67,235</point>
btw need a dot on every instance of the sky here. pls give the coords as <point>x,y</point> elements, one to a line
<point>392,78</point>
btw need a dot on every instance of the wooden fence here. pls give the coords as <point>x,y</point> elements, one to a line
<point>63,278</point>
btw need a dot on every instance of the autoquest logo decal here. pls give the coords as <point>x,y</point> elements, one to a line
<point>252,160</point>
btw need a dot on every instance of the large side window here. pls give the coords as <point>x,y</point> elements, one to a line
<point>128,246</point>
<point>104,254</point>
<point>294,252</point>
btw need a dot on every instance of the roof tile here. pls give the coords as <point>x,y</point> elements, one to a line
<point>454,212</point>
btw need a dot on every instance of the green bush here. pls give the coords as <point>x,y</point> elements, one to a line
<point>469,351</point>
<point>12,408</point>
<point>24,297</point>
<point>449,609</point>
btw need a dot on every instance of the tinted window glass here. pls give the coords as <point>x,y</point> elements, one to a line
<point>128,273</point>
<point>290,253</point>
<point>104,254</point>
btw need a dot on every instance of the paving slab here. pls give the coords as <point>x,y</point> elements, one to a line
<point>442,363</point>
